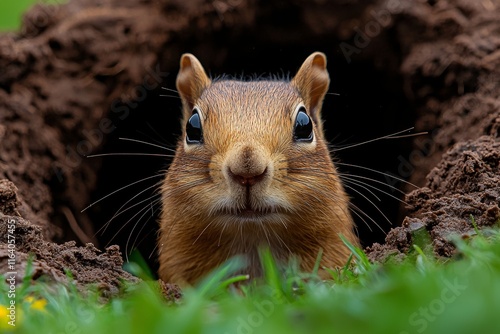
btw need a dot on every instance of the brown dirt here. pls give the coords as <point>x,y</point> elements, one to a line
<point>87,265</point>
<point>77,73</point>
<point>453,78</point>
<point>463,187</point>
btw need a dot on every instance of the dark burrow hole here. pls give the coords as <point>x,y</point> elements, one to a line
<point>366,102</point>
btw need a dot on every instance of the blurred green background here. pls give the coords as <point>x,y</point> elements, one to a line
<point>11,12</point>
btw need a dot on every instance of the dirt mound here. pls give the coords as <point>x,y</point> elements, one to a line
<point>87,265</point>
<point>81,72</point>
<point>451,75</point>
<point>463,188</point>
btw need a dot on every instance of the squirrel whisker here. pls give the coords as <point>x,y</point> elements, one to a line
<point>146,210</point>
<point>130,154</point>
<point>170,89</point>
<point>345,175</point>
<point>198,170</point>
<point>319,191</point>
<point>153,211</point>
<point>146,143</point>
<point>379,172</point>
<point>362,185</point>
<point>120,211</point>
<point>322,193</point>
<point>390,136</point>
<point>352,205</point>
<point>174,96</point>
<point>279,238</point>
<point>369,201</point>
<point>351,178</point>
<point>208,225</point>
<point>359,183</point>
<point>342,175</point>
<point>224,224</point>
<point>120,189</point>
<point>169,95</point>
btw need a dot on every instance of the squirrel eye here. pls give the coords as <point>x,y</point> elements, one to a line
<point>303,130</point>
<point>194,135</point>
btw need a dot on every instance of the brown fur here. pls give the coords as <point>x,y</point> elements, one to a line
<point>248,136</point>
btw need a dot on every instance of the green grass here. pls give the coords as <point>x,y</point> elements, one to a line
<point>419,295</point>
<point>11,12</point>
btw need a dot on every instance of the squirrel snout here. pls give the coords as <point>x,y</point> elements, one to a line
<point>246,166</point>
<point>247,179</point>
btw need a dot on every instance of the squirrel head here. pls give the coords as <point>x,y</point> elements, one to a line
<point>252,168</point>
<point>251,150</point>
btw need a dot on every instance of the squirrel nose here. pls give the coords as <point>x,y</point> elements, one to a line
<point>246,166</point>
<point>247,178</point>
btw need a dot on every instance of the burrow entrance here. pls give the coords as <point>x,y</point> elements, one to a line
<point>365,101</point>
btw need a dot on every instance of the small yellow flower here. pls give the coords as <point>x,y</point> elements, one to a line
<point>39,304</point>
<point>36,304</point>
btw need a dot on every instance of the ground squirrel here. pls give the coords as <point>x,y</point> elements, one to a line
<point>252,168</point>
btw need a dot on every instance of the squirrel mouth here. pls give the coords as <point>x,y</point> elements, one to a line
<point>249,212</point>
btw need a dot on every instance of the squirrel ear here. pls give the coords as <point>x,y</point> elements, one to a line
<point>312,81</point>
<point>191,80</point>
